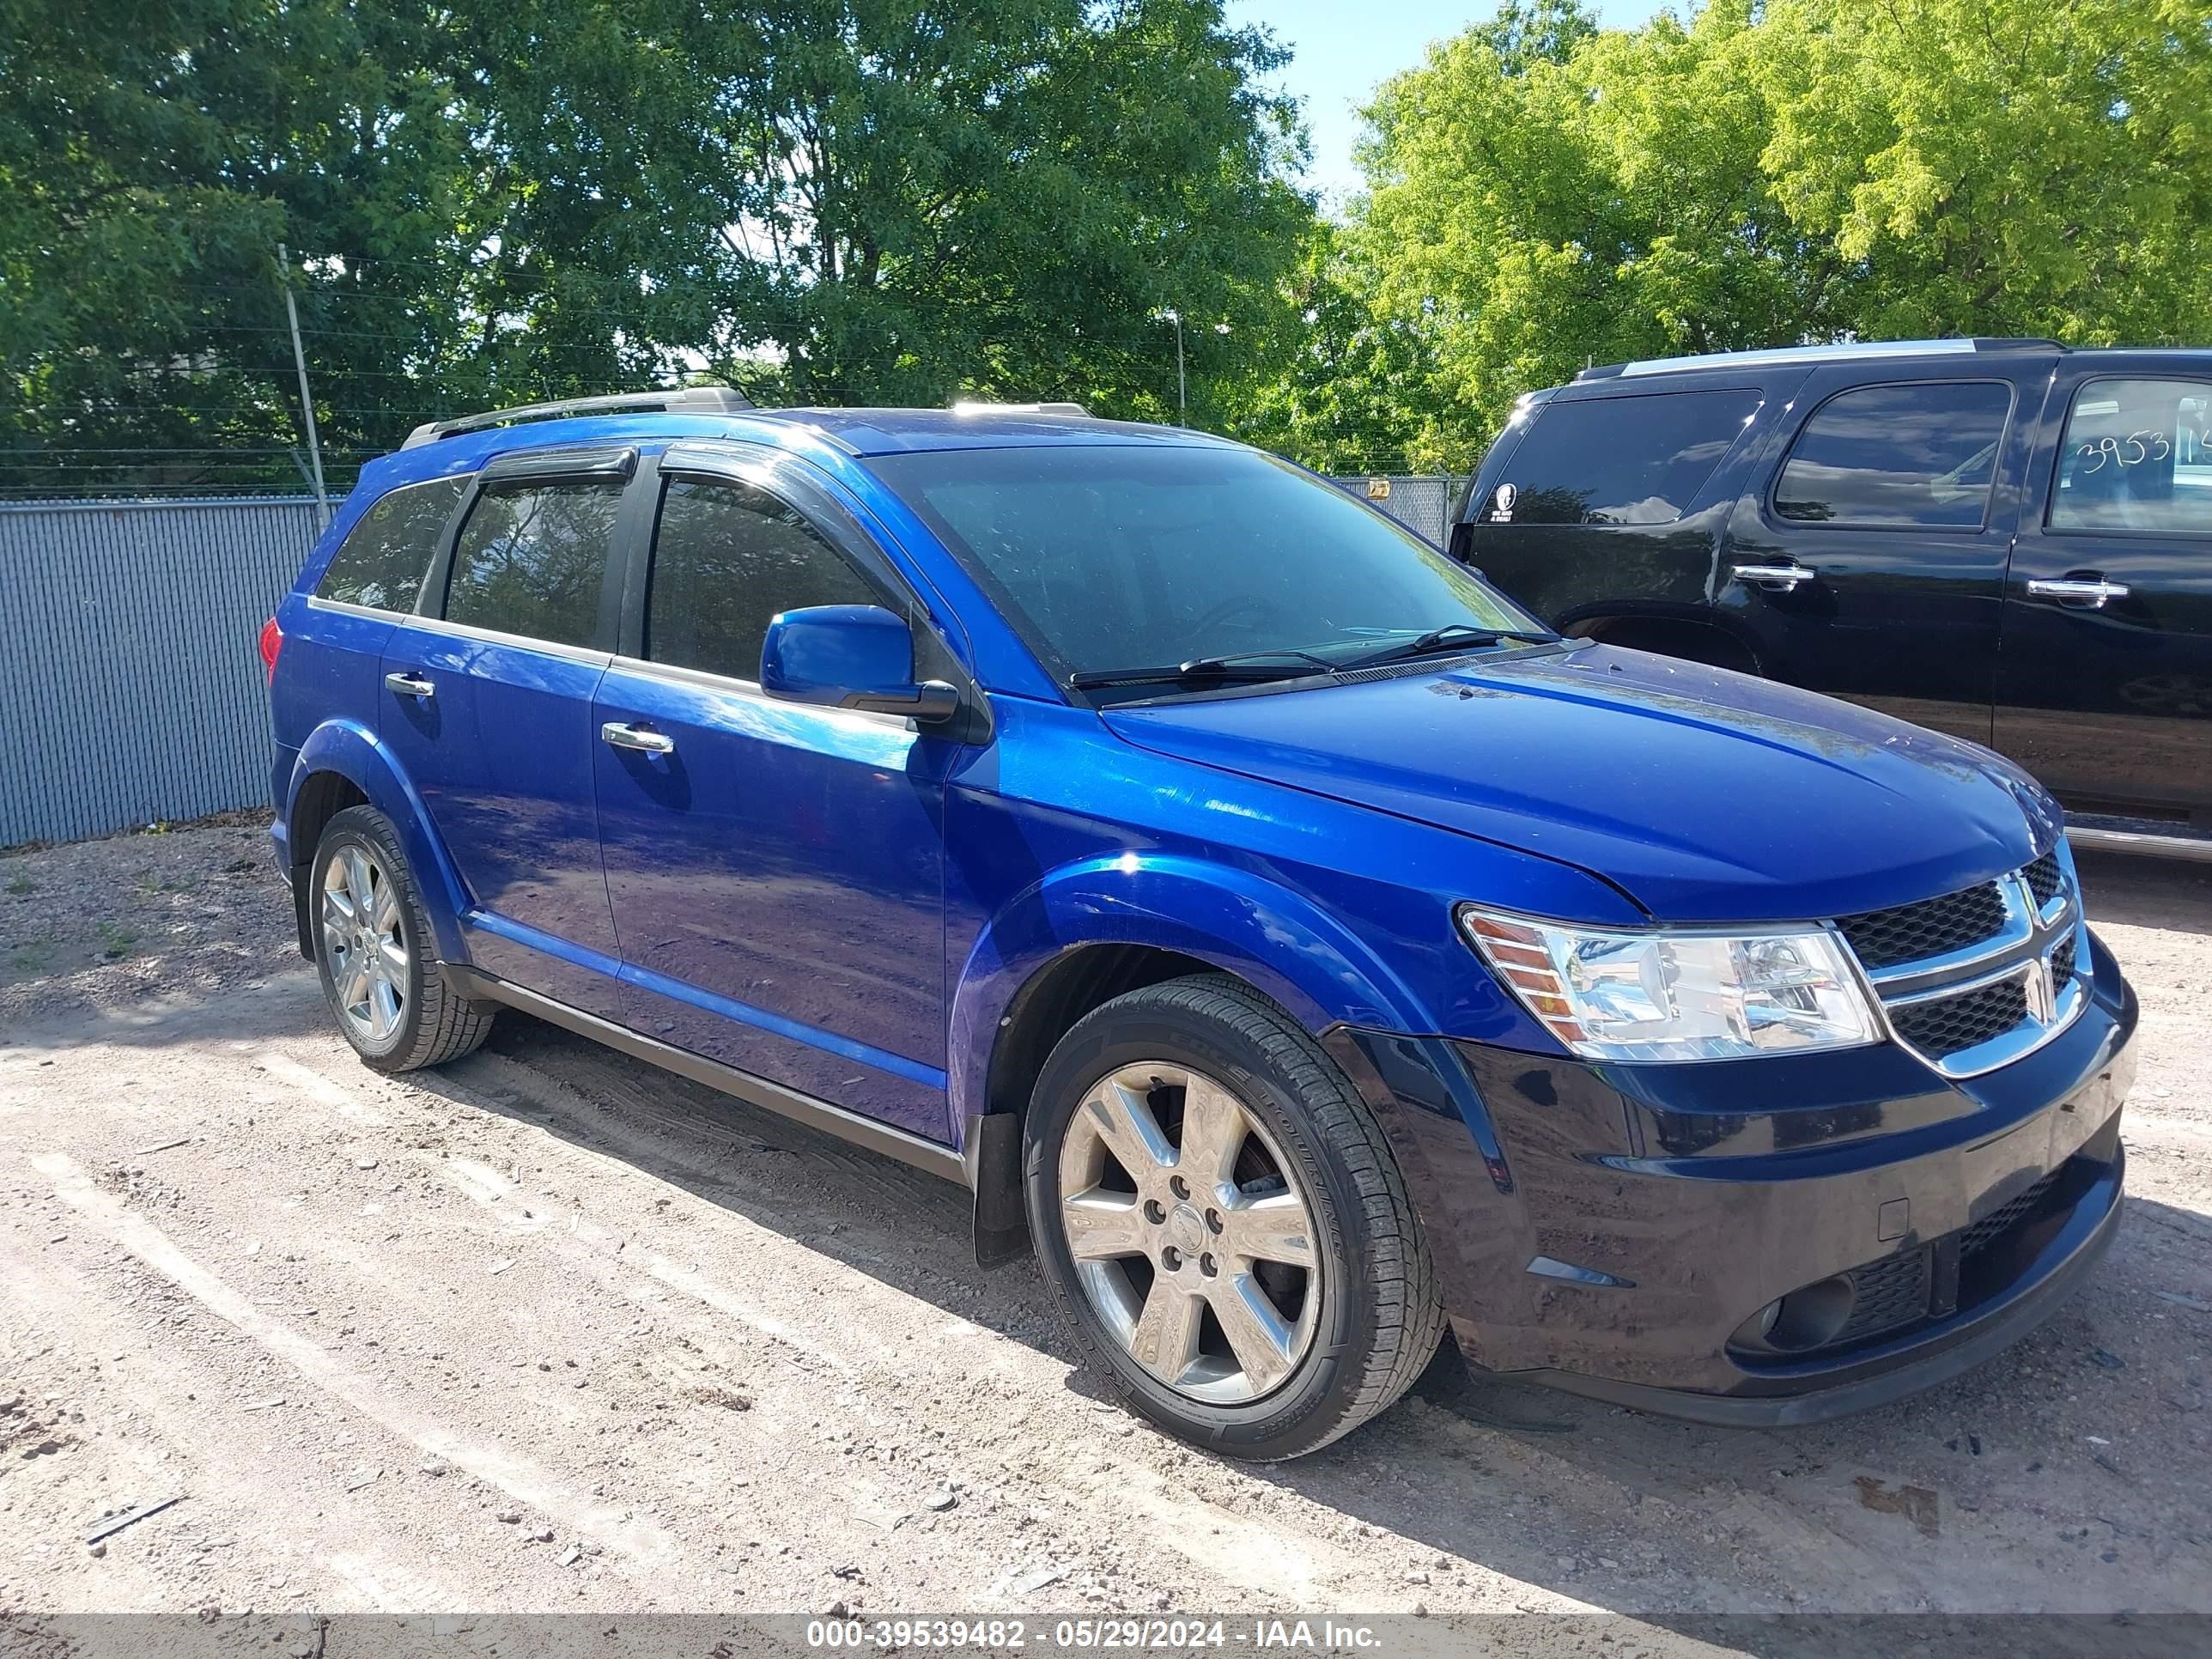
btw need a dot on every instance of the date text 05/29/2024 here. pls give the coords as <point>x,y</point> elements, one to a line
<point>1161,1635</point>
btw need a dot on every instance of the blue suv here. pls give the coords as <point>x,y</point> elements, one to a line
<point>1300,946</point>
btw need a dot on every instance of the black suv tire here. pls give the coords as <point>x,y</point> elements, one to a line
<point>1306,1139</point>
<point>421,1022</point>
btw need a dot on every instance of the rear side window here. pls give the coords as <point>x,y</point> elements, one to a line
<point>726,558</point>
<point>531,561</point>
<point>1618,460</point>
<point>2137,456</point>
<point>383,560</point>
<point>1922,454</point>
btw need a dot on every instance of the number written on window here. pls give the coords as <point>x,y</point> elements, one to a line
<point>2137,458</point>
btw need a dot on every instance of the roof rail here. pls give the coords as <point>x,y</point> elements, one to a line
<point>973,406</point>
<point>685,400</point>
<point>1840,351</point>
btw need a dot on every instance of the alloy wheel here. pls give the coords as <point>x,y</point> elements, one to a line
<point>1190,1233</point>
<point>363,945</point>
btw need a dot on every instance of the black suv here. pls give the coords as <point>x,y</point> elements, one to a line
<point>2003,539</point>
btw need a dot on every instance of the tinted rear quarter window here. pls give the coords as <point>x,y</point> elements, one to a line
<point>382,562</point>
<point>1921,454</point>
<point>726,558</point>
<point>2137,456</point>
<point>530,561</point>
<point>1618,460</point>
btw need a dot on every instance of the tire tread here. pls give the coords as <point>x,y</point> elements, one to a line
<point>1410,1318</point>
<point>447,1025</point>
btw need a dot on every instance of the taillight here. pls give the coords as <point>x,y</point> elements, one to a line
<point>272,642</point>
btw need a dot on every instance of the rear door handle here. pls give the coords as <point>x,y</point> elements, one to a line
<point>631,737</point>
<point>407,685</point>
<point>1781,578</point>
<point>2090,591</point>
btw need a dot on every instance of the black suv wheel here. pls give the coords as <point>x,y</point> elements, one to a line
<point>1225,1224</point>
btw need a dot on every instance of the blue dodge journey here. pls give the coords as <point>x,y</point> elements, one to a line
<point>1299,945</point>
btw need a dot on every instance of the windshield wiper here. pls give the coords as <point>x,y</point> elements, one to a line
<point>1252,666</point>
<point>1452,636</point>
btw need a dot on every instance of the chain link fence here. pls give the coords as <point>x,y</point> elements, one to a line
<point>1423,504</point>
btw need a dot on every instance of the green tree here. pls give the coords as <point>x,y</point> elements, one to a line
<point>873,201</point>
<point>833,201</point>
<point>1769,174</point>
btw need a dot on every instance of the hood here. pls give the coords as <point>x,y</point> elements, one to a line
<point>1705,795</point>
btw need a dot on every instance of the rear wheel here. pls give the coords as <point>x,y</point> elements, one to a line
<point>376,952</point>
<point>1226,1226</point>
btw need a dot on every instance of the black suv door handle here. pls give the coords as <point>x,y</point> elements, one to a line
<point>407,685</point>
<point>1778,577</point>
<point>632,737</point>
<point>2091,590</point>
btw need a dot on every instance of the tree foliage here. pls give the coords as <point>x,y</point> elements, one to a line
<point>1543,195</point>
<point>832,201</point>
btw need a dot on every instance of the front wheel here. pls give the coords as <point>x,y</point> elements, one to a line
<point>376,953</point>
<point>1225,1224</point>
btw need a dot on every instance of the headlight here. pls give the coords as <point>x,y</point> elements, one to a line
<point>1669,995</point>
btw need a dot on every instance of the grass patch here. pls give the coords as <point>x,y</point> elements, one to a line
<point>116,939</point>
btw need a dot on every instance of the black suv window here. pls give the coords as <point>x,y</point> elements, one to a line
<point>531,561</point>
<point>2137,456</point>
<point>726,558</point>
<point>383,560</point>
<point>1618,460</point>
<point>1921,454</point>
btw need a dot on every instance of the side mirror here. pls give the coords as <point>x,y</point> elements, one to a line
<point>850,656</point>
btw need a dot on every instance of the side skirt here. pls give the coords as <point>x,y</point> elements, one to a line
<point>929,1155</point>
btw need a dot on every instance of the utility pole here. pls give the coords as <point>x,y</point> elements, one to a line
<point>300,363</point>
<point>1183,396</point>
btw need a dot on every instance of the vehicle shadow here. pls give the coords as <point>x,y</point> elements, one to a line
<point>2137,891</point>
<point>2067,1473</point>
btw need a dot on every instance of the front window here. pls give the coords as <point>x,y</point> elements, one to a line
<point>1121,556</point>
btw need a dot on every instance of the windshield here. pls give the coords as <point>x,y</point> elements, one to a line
<point>1126,556</point>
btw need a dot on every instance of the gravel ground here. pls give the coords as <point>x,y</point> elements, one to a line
<point>551,1330</point>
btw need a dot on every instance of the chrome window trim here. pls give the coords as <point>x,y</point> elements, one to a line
<point>348,608</point>
<point>583,653</point>
<point>750,690</point>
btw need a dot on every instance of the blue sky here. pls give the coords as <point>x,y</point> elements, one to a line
<point>1343,48</point>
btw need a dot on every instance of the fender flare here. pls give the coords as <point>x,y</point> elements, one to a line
<point>1279,942</point>
<point>355,753</point>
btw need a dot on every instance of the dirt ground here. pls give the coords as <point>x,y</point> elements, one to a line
<point>551,1330</point>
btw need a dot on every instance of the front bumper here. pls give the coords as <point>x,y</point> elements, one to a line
<point>1614,1229</point>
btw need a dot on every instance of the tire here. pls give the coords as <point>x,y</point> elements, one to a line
<point>403,1015</point>
<point>1347,1325</point>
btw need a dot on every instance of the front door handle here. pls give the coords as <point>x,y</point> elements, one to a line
<point>2089,591</point>
<point>631,737</point>
<point>408,685</point>
<point>1778,577</point>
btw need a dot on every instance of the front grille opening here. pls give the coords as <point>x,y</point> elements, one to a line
<point>1890,1294</point>
<point>2061,962</point>
<point>1998,1222</point>
<point>1952,1025</point>
<point>1953,1274</point>
<point>1933,927</point>
<point>2045,878</point>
